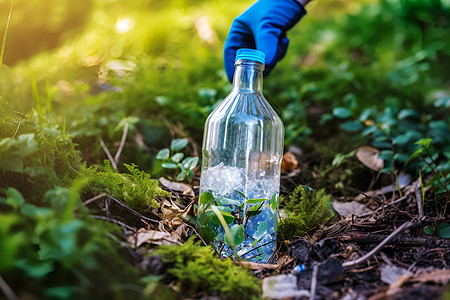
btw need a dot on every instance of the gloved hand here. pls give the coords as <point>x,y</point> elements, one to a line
<point>263,27</point>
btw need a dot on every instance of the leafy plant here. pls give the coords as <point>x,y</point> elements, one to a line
<point>229,222</point>
<point>49,253</point>
<point>172,159</point>
<point>197,270</point>
<point>306,209</point>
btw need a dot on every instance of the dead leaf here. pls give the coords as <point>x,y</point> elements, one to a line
<point>151,237</point>
<point>368,156</point>
<point>173,215</point>
<point>177,187</point>
<point>289,163</point>
<point>438,276</point>
<point>390,273</point>
<point>347,209</point>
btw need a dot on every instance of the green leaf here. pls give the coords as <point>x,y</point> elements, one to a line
<point>177,157</point>
<point>429,230</point>
<point>190,162</point>
<point>406,113</point>
<point>385,154</point>
<point>417,153</point>
<point>238,235</point>
<point>163,154</point>
<point>254,210</point>
<point>402,139</point>
<point>351,126</point>
<point>273,202</point>
<point>365,115</point>
<point>14,198</point>
<point>181,175</point>
<point>228,217</point>
<point>424,142</point>
<point>262,230</point>
<point>169,165</point>
<point>255,200</point>
<point>341,112</point>
<point>443,230</point>
<point>178,144</point>
<point>206,197</point>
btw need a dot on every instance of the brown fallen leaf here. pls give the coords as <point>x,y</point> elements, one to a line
<point>177,187</point>
<point>173,215</point>
<point>289,163</point>
<point>438,276</point>
<point>151,237</point>
<point>368,156</point>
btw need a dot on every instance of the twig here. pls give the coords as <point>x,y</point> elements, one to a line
<point>89,201</point>
<point>370,238</point>
<point>111,159</point>
<point>312,294</point>
<point>113,221</point>
<point>199,236</point>
<point>383,207</point>
<point>133,211</point>
<point>17,129</point>
<point>419,202</point>
<point>355,262</point>
<point>122,143</point>
<point>255,266</point>
<point>9,293</point>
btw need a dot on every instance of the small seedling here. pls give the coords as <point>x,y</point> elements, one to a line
<point>173,160</point>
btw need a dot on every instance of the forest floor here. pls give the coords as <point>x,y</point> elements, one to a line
<point>374,247</point>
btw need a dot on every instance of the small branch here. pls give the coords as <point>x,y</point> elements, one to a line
<point>369,255</point>
<point>419,202</point>
<point>255,266</point>
<point>133,211</point>
<point>113,221</point>
<point>312,293</point>
<point>370,238</point>
<point>9,293</point>
<point>111,159</point>
<point>122,143</point>
<point>382,207</point>
<point>199,236</point>
<point>17,129</point>
<point>89,201</point>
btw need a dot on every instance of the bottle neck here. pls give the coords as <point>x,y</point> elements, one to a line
<point>248,76</point>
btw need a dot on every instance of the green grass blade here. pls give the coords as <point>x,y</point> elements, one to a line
<point>6,33</point>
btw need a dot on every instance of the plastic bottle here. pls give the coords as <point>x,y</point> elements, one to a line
<point>241,159</point>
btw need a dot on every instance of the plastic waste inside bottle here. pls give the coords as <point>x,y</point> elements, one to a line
<point>241,159</point>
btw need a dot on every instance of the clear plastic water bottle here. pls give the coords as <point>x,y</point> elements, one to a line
<point>241,160</point>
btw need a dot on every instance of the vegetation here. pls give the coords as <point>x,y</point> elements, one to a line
<point>141,77</point>
<point>306,209</point>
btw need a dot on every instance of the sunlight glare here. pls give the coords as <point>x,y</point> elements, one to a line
<point>123,25</point>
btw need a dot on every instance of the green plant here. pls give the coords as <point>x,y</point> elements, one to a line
<point>136,189</point>
<point>306,210</point>
<point>408,141</point>
<point>197,270</point>
<point>228,223</point>
<point>172,159</point>
<point>47,252</point>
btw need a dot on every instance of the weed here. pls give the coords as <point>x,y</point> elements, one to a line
<point>198,270</point>
<point>306,210</point>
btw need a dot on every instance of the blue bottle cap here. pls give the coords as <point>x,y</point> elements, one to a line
<point>251,54</point>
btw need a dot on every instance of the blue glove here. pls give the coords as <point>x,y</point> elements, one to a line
<point>263,27</point>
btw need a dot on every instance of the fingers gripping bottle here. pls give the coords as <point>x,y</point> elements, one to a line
<point>241,160</point>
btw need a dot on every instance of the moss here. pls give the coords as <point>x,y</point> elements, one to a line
<point>198,270</point>
<point>306,210</point>
<point>136,189</point>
